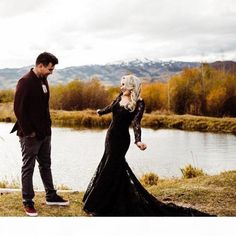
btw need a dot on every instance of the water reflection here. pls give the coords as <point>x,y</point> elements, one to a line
<point>76,154</point>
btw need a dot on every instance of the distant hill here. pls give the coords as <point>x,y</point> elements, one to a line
<point>226,66</point>
<point>109,74</point>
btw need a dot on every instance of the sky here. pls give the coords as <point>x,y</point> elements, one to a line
<point>82,32</point>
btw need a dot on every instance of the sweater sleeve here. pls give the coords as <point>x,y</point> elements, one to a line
<point>21,106</point>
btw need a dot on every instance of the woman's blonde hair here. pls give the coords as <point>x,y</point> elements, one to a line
<point>132,83</point>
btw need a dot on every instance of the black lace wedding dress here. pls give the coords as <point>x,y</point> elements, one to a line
<point>114,190</point>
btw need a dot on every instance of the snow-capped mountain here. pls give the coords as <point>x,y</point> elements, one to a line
<point>109,73</point>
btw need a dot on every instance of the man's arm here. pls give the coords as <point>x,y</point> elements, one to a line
<point>21,107</point>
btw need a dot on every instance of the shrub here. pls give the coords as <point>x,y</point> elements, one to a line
<point>190,172</point>
<point>6,95</point>
<point>149,179</point>
<point>13,184</point>
<point>62,187</point>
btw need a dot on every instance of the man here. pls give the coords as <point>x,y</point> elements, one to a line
<point>31,107</point>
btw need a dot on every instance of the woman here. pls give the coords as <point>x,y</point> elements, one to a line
<point>114,190</point>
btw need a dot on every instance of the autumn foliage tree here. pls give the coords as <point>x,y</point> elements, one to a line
<point>155,96</point>
<point>79,95</point>
<point>203,91</point>
<point>197,91</point>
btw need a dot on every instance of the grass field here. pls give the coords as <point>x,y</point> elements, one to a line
<point>212,194</point>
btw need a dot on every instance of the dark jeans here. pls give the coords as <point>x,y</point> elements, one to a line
<point>33,149</point>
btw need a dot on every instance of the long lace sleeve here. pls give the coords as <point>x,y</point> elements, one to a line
<point>108,108</point>
<point>137,120</point>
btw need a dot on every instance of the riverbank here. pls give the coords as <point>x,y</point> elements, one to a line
<point>190,123</point>
<point>89,119</point>
<point>212,194</point>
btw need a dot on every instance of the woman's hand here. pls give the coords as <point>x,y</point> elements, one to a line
<point>141,146</point>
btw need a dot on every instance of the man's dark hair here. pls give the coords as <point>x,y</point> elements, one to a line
<point>45,58</point>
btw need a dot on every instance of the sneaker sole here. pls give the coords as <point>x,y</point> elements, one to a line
<point>58,203</point>
<point>31,214</point>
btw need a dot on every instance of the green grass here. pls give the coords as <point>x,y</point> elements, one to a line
<point>213,194</point>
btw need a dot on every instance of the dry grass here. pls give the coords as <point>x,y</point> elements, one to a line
<point>149,179</point>
<point>213,194</point>
<point>79,119</point>
<point>6,112</point>
<point>11,205</point>
<point>189,122</point>
<point>13,184</point>
<point>190,171</point>
<point>89,119</point>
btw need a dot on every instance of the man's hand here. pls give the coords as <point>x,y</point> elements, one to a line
<point>141,146</point>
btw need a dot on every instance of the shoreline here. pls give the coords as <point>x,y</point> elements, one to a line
<point>90,120</point>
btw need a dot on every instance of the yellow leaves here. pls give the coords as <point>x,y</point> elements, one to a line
<point>79,95</point>
<point>216,98</point>
<point>155,96</point>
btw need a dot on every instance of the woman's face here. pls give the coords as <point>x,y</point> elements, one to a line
<point>123,89</point>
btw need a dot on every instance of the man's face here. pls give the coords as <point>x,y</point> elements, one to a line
<point>45,71</point>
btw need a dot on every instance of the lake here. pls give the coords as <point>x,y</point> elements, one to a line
<point>76,154</point>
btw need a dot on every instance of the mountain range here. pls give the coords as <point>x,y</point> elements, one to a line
<point>108,74</point>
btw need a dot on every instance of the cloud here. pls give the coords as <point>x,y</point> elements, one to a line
<point>10,8</point>
<point>91,31</point>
